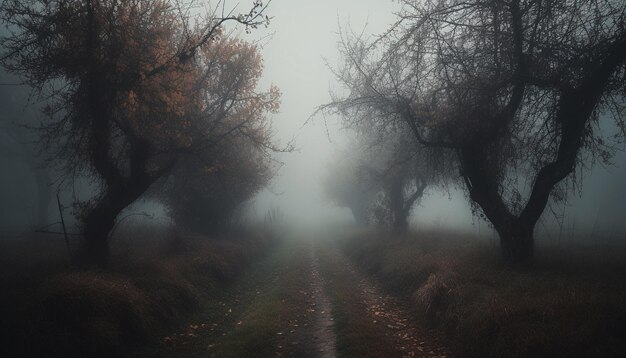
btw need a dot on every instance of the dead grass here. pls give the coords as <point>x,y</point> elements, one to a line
<point>50,310</point>
<point>265,327</point>
<point>262,315</point>
<point>566,304</point>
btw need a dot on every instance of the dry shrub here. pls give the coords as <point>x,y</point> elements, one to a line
<point>96,313</point>
<point>149,289</point>
<point>559,307</point>
<point>219,259</point>
<point>437,291</point>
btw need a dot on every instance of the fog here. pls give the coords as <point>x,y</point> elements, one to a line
<point>353,178</point>
<point>299,48</point>
<point>302,43</point>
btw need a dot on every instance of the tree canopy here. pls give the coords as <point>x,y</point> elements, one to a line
<point>133,86</point>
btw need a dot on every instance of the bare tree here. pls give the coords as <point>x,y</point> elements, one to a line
<point>514,89</point>
<point>381,176</point>
<point>399,166</point>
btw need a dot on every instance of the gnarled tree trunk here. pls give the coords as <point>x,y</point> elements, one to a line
<point>96,228</point>
<point>396,198</point>
<point>515,232</point>
<point>517,242</point>
<point>401,206</point>
<point>100,221</point>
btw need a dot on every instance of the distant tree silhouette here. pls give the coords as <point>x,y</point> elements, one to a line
<point>381,177</point>
<point>395,202</point>
<point>19,143</point>
<point>345,186</point>
<point>19,149</point>
<point>513,89</point>
<point>400,167</point>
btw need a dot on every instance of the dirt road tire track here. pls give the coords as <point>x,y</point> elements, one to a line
<point>392,319</point>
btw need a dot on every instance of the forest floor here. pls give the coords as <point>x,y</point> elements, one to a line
<point>304,300</point>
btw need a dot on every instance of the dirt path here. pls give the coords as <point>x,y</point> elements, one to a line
<point>311,334</point>
<point>411,339</point>
<point>390,321</point>
<point>324,322</point>
<point>306,300</point>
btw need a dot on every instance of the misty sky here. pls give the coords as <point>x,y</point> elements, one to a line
<point>305,35</point>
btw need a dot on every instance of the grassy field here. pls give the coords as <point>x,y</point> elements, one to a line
<point>566,304</point>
